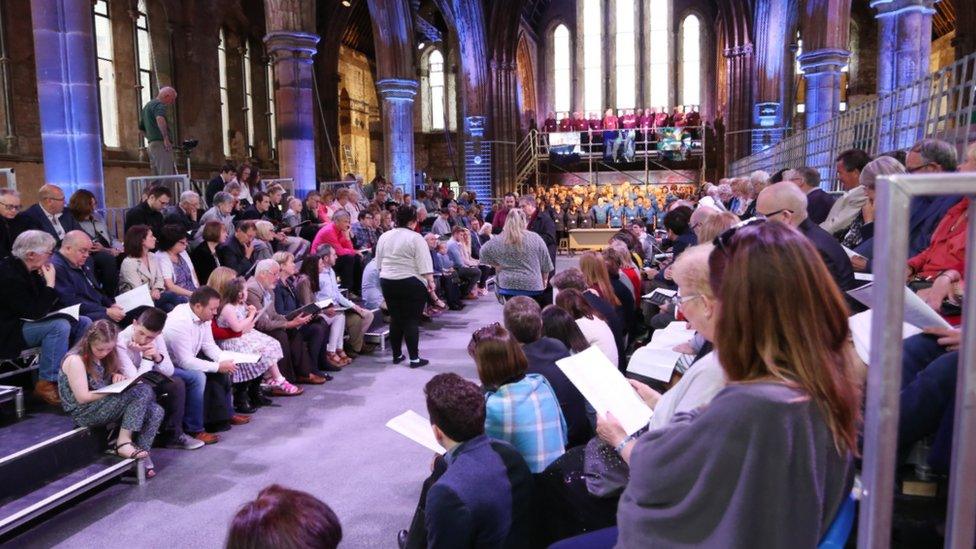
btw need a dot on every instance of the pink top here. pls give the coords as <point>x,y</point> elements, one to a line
<point>323,213</point>
<point>611,122</point>
<point>330,234</point>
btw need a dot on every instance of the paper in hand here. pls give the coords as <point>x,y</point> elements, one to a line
<point>861,333</point>
<point>72,312</point>
<point>417,428</point>
<point>239,358</point>
<point>605,388</point>
<point>657,359</point>
<point>134,298</point>
<point>917,312</point>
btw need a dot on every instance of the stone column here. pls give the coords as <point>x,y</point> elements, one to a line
<point>291,53</point>
<point>67,93</point>
<point>504,128</point>
<point>905,41</point>
<point>397,97</point>
<point>822,72</point>
<point>738,61</point>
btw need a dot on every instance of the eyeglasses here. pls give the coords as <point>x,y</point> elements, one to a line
<point>723,240</point>
<point>679,300</point>
<point>770,215</point>
<point>918,168</point>
<point>11,207</point>
<point>56,199</point>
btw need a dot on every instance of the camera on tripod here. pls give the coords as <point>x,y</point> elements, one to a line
<point>188,145</point>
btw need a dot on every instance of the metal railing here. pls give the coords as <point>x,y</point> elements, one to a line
<point>939,105</point>
<point>884,374</point>
<point>135,186</point>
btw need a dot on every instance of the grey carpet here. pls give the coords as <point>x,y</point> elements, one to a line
<point>331,442</point>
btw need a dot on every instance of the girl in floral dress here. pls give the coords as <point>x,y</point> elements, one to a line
<point>237,316</point>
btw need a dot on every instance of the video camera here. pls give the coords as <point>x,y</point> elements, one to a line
<point>188,145</point>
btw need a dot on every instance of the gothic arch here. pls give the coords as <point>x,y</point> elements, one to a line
<point>525,67</point>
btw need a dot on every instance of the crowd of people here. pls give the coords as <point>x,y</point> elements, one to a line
<point>753,265</point>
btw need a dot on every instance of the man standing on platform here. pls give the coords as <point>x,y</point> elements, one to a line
<point>629,124</point>
<point>550,125</point>
<point>152,123</point>
<point>611,137</point>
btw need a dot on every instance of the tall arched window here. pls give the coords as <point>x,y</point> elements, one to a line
<point>562,70</point>
<point>435,77</point>
<point>224,106</point>
<point>658,53</point>
<point>592,55</point>
<point>248,97</point>
<point>105,55</point>
<point>691,60</point>
<point>626,55</point>
<point>144,64</point>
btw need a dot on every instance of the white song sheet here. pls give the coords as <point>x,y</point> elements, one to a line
<point>861,333</point>
<point>417,428</point>
<point>239,358</point>
<point>605,388</point>
<point>136,297</point>
<point>917,312</point>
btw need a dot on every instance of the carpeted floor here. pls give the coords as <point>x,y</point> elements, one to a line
<point>331,442</point>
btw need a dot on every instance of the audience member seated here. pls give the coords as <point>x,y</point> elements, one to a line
<point>141,350</point>
<point>222,211</point>
<point>292,216</point>
<point>593,326</point>
<point>48,214</point>
<point>258,210</point>
<point>442,225</point>
<point>350,263</point>
<point>237,316</point>
<point>281,517</point>
<point>520,259</point>
<point>372,293</point>
<point>561,326</point>
<point>356,319</point>
<point>819,203</point>
<point>175,264</point>
<point>792,392</point>
<point>573,278</point>
<point>237,251</point>
<point>928,394</point>
<point>861,228</point>
<point>141,267</point>
<point>943,263</point>
<point>93,363</point>
<point>597,277</point>
<point>521,408</point>
<point>297,366</point>
<point>479,494</point>
<point>216,185</point>
<point>150,211</point>
<point>294,291</point>
<point>785,202</point>
<point>467,268</point>
<point>523,320</point>
<point>186,214</point>
<point>364,233</point>
<point>189,338</point>
<point>850,166</point>
<point>105,249</point>
<point>714,225</point>
<point>27,282</point>
<point>264,240</point>
<point>9,208</point>
<point>76,284</point>
<point>204,256</point>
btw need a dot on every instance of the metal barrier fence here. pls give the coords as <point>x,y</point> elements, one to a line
<point>9,177</point>
<point>134,186</point>
<point>884,374</point>
<point>940,105</point>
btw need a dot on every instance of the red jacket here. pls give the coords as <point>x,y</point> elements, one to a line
<point>948,246</point>
<point>330,234</point>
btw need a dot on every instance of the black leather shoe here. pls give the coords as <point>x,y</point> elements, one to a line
<point>418,363</point>
<point>242,403</point>
<point>402,539</point>
<point>330,368</point>
<point>255,395</point>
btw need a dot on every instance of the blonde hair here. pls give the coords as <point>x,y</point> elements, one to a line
<point>691,272</point>
<point>282,257</point>
<point>265,229</point>
<point>714,225</point>
<point>515,225</point>
<point>220,277</point>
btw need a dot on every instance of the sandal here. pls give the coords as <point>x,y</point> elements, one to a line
<point>139,453</point>
<point>150,467</point>
<point>283,388</point>
<point>345,358</point>
<point>334,360</point>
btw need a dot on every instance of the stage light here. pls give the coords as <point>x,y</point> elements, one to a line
<point>346,3</point>
<point>421,45</point>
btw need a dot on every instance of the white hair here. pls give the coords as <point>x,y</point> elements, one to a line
<point>265,266</point>
<point>38,242</point>
<point>187,196</point>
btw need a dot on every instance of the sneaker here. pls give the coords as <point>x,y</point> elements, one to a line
<point>418,363</point>
<point>184,442</point>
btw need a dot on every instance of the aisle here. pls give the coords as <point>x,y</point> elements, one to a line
<point>331,442</point>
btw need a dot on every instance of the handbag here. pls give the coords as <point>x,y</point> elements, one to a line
<point>605,472</point>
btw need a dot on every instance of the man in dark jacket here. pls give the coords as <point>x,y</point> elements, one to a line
<point>186,214</point>
<point>27,291</point>
<point>76,283</point>
<point>819,202</point>
<point>150,211</point>
<point>480,492</point>
<point>524,320</point>
<point>48,214</point>
<point>258,210</point>
<point>227,174</point>
<point>237,250</point>
<point>786,203</point>
<point>9,228</point>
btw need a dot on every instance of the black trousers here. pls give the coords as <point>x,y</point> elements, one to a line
<point>171,395</point>
<point>295,363</point>
<point>350,271</point>
<point>469,277</point>
<point>106,268</point>
<point>417,537</point>
<point>405,300</point>
<point>315,334</point>
<point>486,273</point>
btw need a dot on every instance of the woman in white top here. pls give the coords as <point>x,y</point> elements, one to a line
<point>594,327</point>
<point>140,267</point>
<point>406,276</point>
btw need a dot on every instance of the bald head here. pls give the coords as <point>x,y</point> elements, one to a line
<point>167,95</point>
<point>75,247</point>
<point>51,198</point>
<point>700,215</point>
<point>784,202</point>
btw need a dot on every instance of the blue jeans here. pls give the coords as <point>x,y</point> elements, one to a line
<point>169,300</point>
<point>195,382</point>
<point>928,397</point>
<point>53,336</point>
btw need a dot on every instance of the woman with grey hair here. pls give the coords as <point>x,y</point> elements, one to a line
<point>222,211</point>
<point>27,292</point>
<point>862,228</point>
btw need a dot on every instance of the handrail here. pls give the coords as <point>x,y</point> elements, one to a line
<point>884,374</point>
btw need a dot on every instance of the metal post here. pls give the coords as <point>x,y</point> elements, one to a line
<point>962,499</point>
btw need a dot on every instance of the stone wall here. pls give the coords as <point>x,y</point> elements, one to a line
<point>358,113</point>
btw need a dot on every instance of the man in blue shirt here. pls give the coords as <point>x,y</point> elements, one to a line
<point>480,492</point>
<point>615,215</point>
<point>599,212</point>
